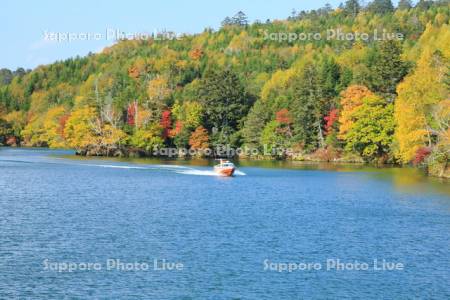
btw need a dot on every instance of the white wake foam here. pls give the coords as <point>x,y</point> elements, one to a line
<point>240,173</point>
<point>172,168</point>
<point>116,166</point>
<point>198,172</point>
<point>206,172</point>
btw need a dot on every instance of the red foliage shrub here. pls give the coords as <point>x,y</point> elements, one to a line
<point>330,119</point>
<point>131,113</point>
<point>166,123</point>
<point>421,155</point>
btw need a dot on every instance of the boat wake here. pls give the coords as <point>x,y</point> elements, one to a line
<point>115,166</point>
<point>239,173</point>
<point>183,170</point>
<point>197,172</point>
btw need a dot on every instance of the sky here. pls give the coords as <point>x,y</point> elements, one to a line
<point>29,26</point>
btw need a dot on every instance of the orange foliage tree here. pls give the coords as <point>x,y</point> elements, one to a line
<point>284,119</point>
<point>178,128</point>
<point>196,54</point>
<point>199,139</point>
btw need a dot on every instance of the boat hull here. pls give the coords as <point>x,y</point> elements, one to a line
<point>228,172</point>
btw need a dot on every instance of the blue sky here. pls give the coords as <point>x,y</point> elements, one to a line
<point>25,22</point>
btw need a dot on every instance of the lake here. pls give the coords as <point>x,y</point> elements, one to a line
<point>77,228</point>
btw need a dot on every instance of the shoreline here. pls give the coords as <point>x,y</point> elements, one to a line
<point>249,160</point>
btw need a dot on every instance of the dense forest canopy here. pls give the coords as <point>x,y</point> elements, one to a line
<point>266,86</point>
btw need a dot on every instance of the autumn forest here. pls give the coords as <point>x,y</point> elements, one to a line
<point>246,86</point>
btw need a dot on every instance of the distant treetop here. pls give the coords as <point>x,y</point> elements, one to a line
<point>239,19</point>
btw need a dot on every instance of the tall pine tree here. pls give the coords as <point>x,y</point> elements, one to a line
<point>381,6</point>
<point>225,101</point>
<point>388,69</point>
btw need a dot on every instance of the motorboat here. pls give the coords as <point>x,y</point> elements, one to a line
<point>225,168</point>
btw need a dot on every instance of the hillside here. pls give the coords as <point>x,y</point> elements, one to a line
<point>298,88</point>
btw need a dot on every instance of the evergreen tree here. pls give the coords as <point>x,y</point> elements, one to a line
<point>225,100</point>
<point>293,15</point>
<point>424,4</point>
<point>306,109</point>
<point>240,19</point>
<point>226,22</point>
<point>20,72</point>
<point>257,117</point>
<point>388,69</point>
<point>5,76</point>
<point>404,5</point>
<point>330,80</point>
<point>381,6</point>
<point>352,7</point>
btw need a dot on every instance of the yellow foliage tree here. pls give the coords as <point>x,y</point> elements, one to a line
<point>418,96</point>
<point>85,132</point>
<point>240,42</point>
<point>143,117</point>
<point>148,138</point>
<point>158,91</point>
<point>109,138</point>
<point>33,131</point>
<point>79,129</point>
<point>18,120</point>
<point>277,84</point>
<point>138,68</point>
<point>189,113</point>
<point>53,127</point>
<point>39,102</point>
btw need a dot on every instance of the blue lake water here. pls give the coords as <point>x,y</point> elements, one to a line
<point>232,236</point>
